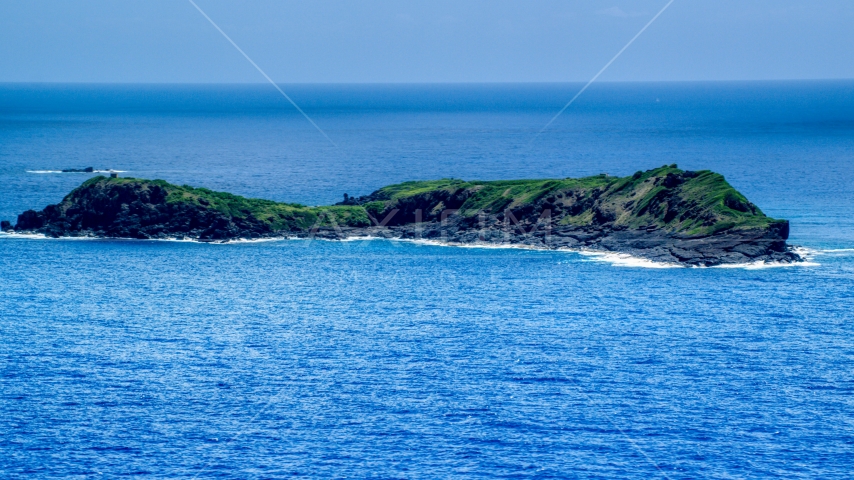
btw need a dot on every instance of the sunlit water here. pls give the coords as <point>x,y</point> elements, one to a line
<point>409,360</point>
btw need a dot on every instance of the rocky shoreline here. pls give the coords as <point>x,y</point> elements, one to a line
<point>657,215</point>
<point>732,248</point>
<point>728,250</point>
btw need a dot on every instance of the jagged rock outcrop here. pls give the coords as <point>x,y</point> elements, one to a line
<point>135,210</point>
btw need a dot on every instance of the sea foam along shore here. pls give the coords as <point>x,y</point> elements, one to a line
<point>61,171</point>
<point>626,260</point>
<point>616,259</point>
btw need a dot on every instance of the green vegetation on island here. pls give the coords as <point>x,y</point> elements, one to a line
<point>279,216</point>
<point>690,203</point>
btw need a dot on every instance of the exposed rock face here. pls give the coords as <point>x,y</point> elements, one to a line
<point>690,218</point>
<point>135,210</point>
<point>740,246</point>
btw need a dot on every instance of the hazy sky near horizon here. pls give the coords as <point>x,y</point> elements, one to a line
<point>424,41</point>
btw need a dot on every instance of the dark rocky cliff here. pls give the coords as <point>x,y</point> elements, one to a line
<point>135,210</point>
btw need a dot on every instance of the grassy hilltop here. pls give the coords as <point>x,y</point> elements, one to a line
<point>279,216</point>
<point>691,203</point>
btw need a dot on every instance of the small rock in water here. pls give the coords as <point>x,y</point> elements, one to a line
<point>5,226</point>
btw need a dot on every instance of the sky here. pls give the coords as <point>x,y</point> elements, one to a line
<point>424,41</point>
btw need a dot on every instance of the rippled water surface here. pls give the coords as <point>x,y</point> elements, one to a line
<point>385,359</point>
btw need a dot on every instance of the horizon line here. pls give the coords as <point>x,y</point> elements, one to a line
<point>569,82</point>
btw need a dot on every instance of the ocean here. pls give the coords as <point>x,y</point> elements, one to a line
<point>386,359</point>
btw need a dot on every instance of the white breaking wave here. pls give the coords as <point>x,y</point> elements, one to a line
<point>832,252</point>
<point>490,246</point>
<point>251,240</point>
<point>208,242</point>
<point>348,239</point>
<point>625,260</point>
<point>41,236</point>
<point>424,241</point>
<point>60,171</point>
<point>766,265</point>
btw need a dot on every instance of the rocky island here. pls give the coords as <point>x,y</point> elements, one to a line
<point>665,214</point>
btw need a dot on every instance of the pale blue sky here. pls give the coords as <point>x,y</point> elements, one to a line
<point>424,41</point>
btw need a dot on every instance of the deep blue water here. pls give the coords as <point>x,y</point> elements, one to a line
<point>396,360</point>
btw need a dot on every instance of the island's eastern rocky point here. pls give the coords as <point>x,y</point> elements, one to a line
<point>665,214</point>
